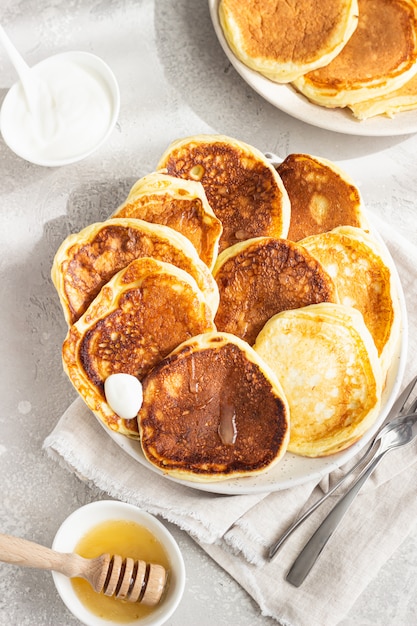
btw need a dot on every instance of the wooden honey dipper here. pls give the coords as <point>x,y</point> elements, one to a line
<point>126,579</point>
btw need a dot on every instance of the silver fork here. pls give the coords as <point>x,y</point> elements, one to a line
<point>391,434</point>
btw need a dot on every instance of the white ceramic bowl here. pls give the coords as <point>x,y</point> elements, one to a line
<point>87,517</point>
<point>76,107</point>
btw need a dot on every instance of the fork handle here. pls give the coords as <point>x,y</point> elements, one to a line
<point>277,545</point>
<point>313,548</point>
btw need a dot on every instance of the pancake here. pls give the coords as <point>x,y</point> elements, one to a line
<point>284,40</point>
<point>213,410</point>
<point>322,196</point>
<point>86,260</point>
<point>143,313</point>
<point>363,278</point>
<point>261,277</point>
<point>397,101</point>
<point>326,361</point>
<point>380,57</point>
<point>242,187</point>
<point>180,204</point>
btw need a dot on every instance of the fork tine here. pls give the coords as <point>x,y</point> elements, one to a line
<point>413,406</point>
<point>411,400</point>
<point>399,405</point>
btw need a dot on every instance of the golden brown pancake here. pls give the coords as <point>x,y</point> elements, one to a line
<point>380,56</point>
<point>261,277</point>
<point>85,261</point>
<point>180,204</point>
<point>243,188</point>
<point>397,101</point>
<point>283,40</point>
<point>213,410</point>
<point>322,196</point>
<point>363,280</point>
<point>143,313</point>
<point>326,361</point>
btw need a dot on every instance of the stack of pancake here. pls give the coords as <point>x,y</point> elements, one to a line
<point>360,54</point>
<point>230,289</point>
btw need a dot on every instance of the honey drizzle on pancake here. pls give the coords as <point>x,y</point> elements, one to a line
<point>227,426</point>
<point>237,422</point>
<point>193,382</point>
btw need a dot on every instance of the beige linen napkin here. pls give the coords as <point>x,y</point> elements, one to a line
<point>236,530</point>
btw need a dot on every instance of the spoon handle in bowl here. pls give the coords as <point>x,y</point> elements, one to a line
<point>313,548</point>
<point>14,56</point>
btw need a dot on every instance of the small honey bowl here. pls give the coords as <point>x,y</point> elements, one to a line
<point>115,527</point>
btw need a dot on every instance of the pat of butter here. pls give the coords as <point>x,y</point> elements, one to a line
<point>123,394</point>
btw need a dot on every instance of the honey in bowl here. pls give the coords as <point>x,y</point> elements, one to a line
<point>129,539</point>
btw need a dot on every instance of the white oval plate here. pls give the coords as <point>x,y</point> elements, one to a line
<point>285,98</point>
<point>295,470</point>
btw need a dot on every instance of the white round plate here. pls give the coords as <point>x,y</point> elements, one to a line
<point>285,98</point>
<point>295,470</point>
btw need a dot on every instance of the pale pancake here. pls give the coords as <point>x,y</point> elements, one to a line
<point>242,187</point>
<point>140,316</point>
<point>326,361</point>
<point>86,260</point>
<point>213,410</point>
<point>380,57</point>
<point>284,40</point>
<point>363,278</point>
<point>402,99</point>
<point>261,277</point>
<point>178,203</point>
<point>322,196</point>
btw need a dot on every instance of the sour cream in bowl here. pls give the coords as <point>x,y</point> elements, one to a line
<point>74,105</point>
